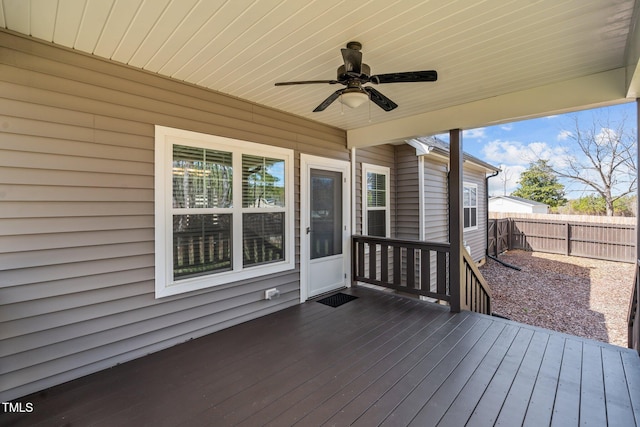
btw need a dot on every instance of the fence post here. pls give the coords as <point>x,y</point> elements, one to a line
<point>496,223</point>
<point>568,237</point>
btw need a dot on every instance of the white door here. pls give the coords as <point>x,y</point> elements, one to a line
<point>324,225</point>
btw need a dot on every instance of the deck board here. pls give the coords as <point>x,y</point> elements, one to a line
<point>464,357</point>
<point>380,359</point>
<point>619,411</point>
<point>512,411</point>
<point>593,410</point>
<point>497,371</point>
<point>566,408</point>
<point>457,397</point>
<point>542,399</point>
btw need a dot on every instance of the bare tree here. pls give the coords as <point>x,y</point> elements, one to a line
<point>505,177</point>
<point>602,156</point>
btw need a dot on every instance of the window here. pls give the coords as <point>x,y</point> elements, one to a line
<point>224,210</point>
<point>470,205</point>
<point>375,204</point>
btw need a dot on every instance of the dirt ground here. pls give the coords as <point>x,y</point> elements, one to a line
<point>579,296</point>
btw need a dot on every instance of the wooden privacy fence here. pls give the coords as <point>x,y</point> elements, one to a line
<point>613,242</point>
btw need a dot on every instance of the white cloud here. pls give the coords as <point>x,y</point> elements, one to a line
<point>606,135</point>
<point>507,152</point>
<point>477,133</point>
<point>507,128</point>
<point>513,153</point>
<point>564,135</point>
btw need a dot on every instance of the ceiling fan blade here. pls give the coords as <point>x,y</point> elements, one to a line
<point>307,82</point>
<point>352,61</point>
<point>407,77</point>
<point>329,100</point>
<point>381,101</point>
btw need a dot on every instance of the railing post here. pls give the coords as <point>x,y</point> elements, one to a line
<point>456,225</point>
<point>354,260</point>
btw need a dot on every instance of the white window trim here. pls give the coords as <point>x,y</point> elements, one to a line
<point>475,186</point>
<point>165,138</point>
<point>382,170</point>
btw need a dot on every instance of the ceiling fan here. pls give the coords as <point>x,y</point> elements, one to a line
<point>354,74</point>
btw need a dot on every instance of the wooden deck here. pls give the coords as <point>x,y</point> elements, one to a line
<point>381,359</point>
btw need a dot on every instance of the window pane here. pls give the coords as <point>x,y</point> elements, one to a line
<point>472,197</point>
<point>376,189</point>
<point>376,223</point>
<point>474,217</point>
<point>262,238</point>
<point>466,198</point>
<point>262,182</point>
<point>467,218</point>
<point>201,178</point>
<point>201,244</point>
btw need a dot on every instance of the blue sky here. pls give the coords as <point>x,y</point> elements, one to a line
<point>511,146</point>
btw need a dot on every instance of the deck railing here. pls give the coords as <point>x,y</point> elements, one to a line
<point>419,268</point>
<point>474,290</point>
<point>633,320</point>
<point>414,267</point>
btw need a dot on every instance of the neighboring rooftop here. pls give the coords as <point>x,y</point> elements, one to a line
<point>428,144</point>
<point>519,200</point>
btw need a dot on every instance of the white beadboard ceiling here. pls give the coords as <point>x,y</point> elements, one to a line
<point>482,49</point>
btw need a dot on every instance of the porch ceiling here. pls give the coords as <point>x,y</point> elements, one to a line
<point>497,60</point>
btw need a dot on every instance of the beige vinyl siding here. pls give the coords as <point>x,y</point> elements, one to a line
<point>476,239</point>
<point>380,155</point>
<point>77,212</point>
<point>436,200</point>
<point>437,205</point>
<point>407,193</point>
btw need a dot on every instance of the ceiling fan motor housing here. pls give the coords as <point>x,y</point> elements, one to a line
<point>344,76</point>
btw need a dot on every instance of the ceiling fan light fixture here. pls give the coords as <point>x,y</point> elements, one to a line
<point>354,98</point>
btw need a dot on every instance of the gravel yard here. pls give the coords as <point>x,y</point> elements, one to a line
<point>578,296</point>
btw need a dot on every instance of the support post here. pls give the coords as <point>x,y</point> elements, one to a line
<point>456,226</point>
<point>634,339</point>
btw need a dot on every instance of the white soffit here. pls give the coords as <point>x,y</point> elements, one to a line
<point>482,50</point>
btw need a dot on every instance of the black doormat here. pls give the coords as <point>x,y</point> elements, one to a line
<point>336,300</point>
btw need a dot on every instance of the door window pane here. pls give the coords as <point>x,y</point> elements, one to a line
<point>326,213</point>
<point>201,244</point>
